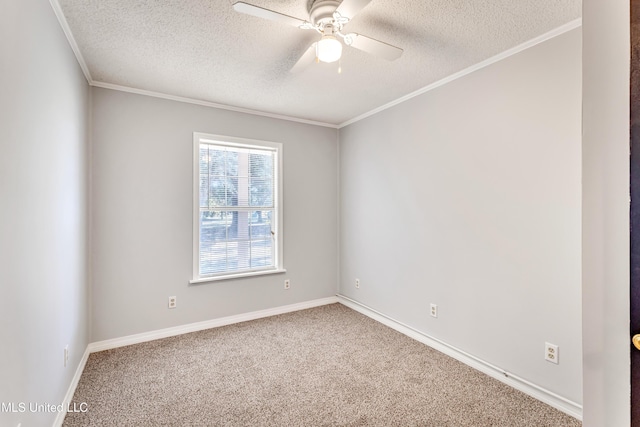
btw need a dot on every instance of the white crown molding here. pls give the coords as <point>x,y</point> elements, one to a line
<point>517,49</point>
<point>72,41</point>
<point>550,398</point>
<point>207,324</point>
<point>85,69</point>
<point>209,104</point>
<point>576,23</point>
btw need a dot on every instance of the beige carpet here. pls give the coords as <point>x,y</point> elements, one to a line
<point>327,366</point>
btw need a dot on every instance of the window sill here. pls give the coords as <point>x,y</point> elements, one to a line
<point>236,276</point>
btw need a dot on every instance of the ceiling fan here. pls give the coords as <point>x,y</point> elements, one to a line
<point>327,17</point>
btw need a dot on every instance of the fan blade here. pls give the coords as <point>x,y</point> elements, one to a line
<point>252,10</point>
<point>306,59</point>
<point>349,8</point>
<point>375,47</point>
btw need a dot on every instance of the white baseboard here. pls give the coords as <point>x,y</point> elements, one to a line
<point>565,405</point>
<point>72,389</point>
<point>207,324</point>
<point>552,399</point>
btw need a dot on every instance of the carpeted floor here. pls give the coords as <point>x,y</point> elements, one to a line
<point>326,366</point>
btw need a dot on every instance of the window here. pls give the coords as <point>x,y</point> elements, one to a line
<point>237,223</point>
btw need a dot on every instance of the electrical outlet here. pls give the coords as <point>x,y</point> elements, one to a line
<point>287,284</point>
<point>358,283</point>
<point>434,310</point>
<point>551,353</point>
<point>173,302</point>
<point>66,355</point>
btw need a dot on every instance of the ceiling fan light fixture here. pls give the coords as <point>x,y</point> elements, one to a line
<point>328,49</point>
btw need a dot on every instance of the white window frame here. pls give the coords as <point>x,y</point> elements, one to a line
<point>229,141</point>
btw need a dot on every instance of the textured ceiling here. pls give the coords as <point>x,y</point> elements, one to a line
<point>204,50</point>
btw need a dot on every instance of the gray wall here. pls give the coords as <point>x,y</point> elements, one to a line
<point>483,206</point>
<point>44,104</point>
<point>469,197</point>
<point>605,206</point>
<point>142,214</point>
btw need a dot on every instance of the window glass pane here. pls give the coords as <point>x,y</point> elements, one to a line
<point>236,215</point>
<point>216,195</point>
<point>216,161</point>
<point>261,253</point>
<point>242,193</point>
<point>213,226</point>
<point>213,258</point>
<point>261,192</point>
<point>238,255</point>
<point>232,191</point>
<point>261,164</point>
<point>204,191</point>
<point>261,224</point>
<point>237,191</point>
<point>232,162</point>
<point>239,225</point>
<point>211,161</point>
<point>204,160</point>
<point>213,234</point>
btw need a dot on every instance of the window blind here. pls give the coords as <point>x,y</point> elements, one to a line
<point>237,219</point>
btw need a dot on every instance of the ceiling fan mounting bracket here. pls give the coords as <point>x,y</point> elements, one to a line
<point>321,11</point>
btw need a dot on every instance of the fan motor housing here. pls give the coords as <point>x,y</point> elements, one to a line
<point>322,11</point>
